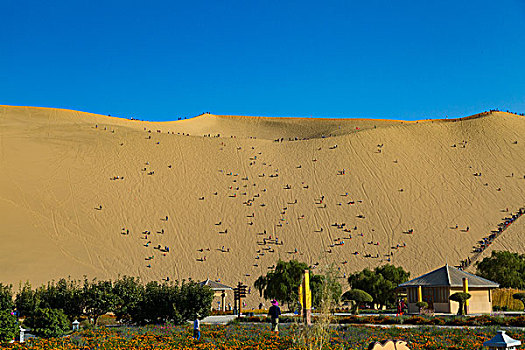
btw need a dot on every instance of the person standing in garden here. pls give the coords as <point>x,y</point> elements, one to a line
<point>274,312</point>
<point>197,329</point>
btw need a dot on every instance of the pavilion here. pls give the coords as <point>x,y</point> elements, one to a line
<point>219,290</point>
<point>437,286</point>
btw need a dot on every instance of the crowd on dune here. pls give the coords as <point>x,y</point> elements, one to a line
<point>269,235</point>
<point>485,242</point>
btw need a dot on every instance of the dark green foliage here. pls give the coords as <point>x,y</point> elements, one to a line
<point>283,283</point>
<point>131,301</point>
<point>461,298</point>
<point>505,268</point>
<point>128,294</point>
<point>194,301</point>
<point>98,298</point>
<point>25,301</point>
<point>421,305</point>
<point>6,298</point>
<point>157,304</point>
<point>357,296</point>
<point>8,326</point>
<point>174,303</point>
<point>49,323</point>
<point>66,295</point>
<point>520,297</point>
<point>320,285</point>
<point>380,283</point>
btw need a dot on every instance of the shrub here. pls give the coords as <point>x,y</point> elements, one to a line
<point>49,323</point>
<point>438,321</point>
<point>357,296</point>
<point>421,305</point>
<point>461,298</point>
<point>502,299</point>
<point>520,297</point>
<point>456,321</point>
<point>417,320</point>
<point>8,326</point>
<point>518,321</point>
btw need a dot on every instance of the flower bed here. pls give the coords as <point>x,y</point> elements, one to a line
<point>258,336</point>
<point>484,320</point>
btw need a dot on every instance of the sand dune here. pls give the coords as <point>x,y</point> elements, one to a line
<point>367,184</point>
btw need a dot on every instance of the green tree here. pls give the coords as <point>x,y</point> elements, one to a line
<point>282,283</point>
<point>98,297</point>
<point>380,283</point>
<point>357,296</point>
<point>8,326</point>
<point>49,323</point>
<point>324,284</point>
<point>158,304</point>
<point>175,302</point>
<point>6,297</point>
<point>193,301</point>
<point>520,297</point>
<point>26,301</point>
<point>461,298</point>
<point>66,295</point>
<point>505,268</point>
<point>128,294</point>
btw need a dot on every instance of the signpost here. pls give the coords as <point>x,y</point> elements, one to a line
<point>239,292</point>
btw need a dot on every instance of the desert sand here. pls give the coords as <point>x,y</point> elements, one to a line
<point>224,197</point>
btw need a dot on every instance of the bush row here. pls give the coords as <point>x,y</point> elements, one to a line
<point>485,320</point>
<point>131,301</point>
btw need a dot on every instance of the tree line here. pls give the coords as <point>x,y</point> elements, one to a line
<point>376,285</point>
<point>58,303</point>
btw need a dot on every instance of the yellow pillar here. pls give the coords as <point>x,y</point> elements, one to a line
<point>465,290</point>
<point>419,294</point>
<point>306,297</point>
<point>307,291</point>
<point>301,299</point>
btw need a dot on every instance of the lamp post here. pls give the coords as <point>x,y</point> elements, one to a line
<point>22,335</point>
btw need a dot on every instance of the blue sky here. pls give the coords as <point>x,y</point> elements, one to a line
<point>160,60</point>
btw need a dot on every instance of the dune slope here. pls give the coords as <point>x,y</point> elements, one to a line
<point>64,212</point>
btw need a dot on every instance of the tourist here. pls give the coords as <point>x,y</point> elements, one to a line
<point>274,312</point>
<point>196,329</point>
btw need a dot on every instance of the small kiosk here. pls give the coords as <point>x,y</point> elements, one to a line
<point>219,290</point>
<point>502,341</point>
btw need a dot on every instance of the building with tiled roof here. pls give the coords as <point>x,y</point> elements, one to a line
<point>219,290</point>
<point>436,287</point>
